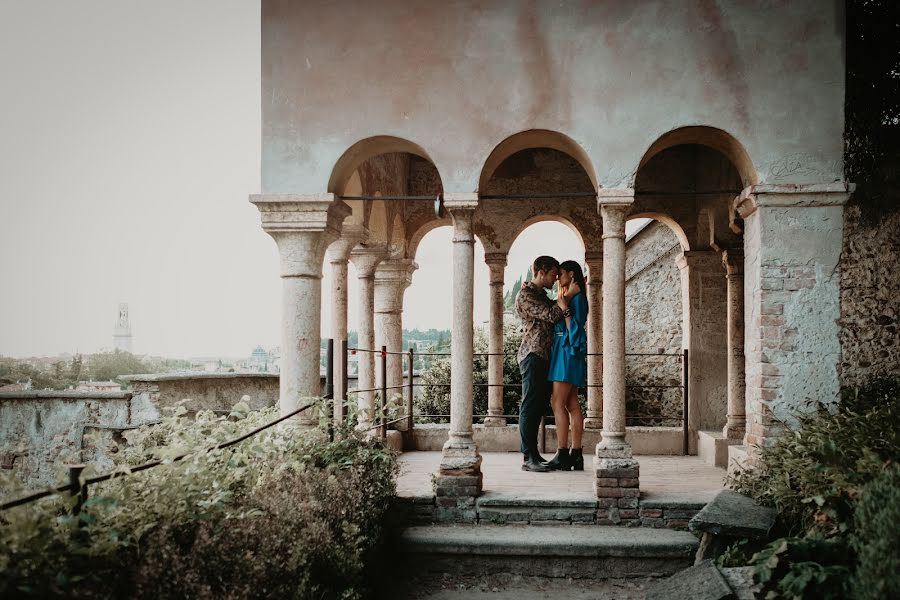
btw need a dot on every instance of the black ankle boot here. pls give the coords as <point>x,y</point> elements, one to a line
<point>562,461</point>
<point>577,459</point>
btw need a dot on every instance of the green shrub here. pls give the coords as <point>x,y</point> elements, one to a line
<point>435,398</point>
<point>282,514</point>
<point>837,497</point>
<point>876,538</point>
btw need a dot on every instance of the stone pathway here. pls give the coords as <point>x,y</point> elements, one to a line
<point>512,587</point>
<point>670,477</point>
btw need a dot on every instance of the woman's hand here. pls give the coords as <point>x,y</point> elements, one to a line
<point>571,290</point>
<point>561,299</point>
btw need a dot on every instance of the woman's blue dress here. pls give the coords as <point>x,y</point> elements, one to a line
<point>568,358</point>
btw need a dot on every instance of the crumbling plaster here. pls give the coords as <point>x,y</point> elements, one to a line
<point>474,73</point>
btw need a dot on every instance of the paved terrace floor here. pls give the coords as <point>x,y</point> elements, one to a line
<point>662,477</point>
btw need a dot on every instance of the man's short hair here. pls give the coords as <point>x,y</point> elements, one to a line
<point>545,264</point>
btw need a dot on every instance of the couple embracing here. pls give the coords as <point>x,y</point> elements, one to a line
<point>553,361</point>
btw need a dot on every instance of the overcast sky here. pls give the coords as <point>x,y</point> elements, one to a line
<point>129,142</point>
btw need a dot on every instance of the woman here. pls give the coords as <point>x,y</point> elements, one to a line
<point>568,366</point>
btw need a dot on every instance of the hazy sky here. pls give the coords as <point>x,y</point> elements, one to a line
<point>129,142</point>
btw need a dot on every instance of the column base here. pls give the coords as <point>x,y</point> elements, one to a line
<point>734,432</point>
<point>458,482</point>
<point>593,423</point>
<point>494,422</point>
<point>617,486</point>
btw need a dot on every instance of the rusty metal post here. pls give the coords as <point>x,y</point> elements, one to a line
<point>410,394</point>
<point>384,392</point>
<point>543,433</point>
<point>685,399</point>
<point>344,381</point>
<point>77,489</point>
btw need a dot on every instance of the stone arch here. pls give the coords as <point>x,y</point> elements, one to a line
<point>536,138</point>
<point>368,148</point>
<point>412,245</point>
<point>711,137</point>
<point>668,221</point>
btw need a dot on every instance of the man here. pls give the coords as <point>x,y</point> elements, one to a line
<point>538,313</point>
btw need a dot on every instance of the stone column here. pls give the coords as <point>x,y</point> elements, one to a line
<point>735,426</point>
<point>302,226</point>
<point>338,254</point>
<point>703,333</point>
<point>366,259</point>
<point>594,276</point>
<point>616,472</point>
<point>792,247</point>
<point>392,277</point>
<point>459,479</point>
<point>496,263</point>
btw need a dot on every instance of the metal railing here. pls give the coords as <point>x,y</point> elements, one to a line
<point>410,385</point>
<point>78,487</point>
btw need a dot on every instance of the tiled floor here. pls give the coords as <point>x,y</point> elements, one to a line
<point>661,476</point>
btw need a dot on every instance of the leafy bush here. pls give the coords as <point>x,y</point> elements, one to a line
<point>876,538</point>
<point>829,478</point>
<point>283,514</point>
<point>435,399</point>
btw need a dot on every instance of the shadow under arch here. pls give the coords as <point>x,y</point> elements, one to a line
<point>668,221</point>
<point>536,138</point>
<point>711,137</point>
<point>368,148</point>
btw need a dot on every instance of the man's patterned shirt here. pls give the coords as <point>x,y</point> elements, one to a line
<point>538,314</point>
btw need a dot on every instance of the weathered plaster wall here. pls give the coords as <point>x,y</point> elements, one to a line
<point>215,391</point>
<point>653,319</point>
<point>41,431</point>
<point>471,73</point>
<point>870,299</point>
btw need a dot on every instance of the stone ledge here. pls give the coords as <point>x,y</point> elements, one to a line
<point>198,375</point>
<point>64,395</point>
<point>573,500</point>
<point>546,541</point>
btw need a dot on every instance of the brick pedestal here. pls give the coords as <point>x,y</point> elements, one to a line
<point>617,485</point>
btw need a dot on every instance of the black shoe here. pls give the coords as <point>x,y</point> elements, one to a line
<point>577,459</point>
<point>533,465</point>
<point>562,461</point>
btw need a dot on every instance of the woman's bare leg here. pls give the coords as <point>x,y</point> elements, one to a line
<point>573,409</point>
<point>561,391</point>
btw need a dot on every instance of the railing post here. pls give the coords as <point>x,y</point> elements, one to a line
<point>329,388</point>
<point>344,381</point>
<point>384,392</point>
<point>410,394</point>
<point>685,399</point>
<point>77,489</point>
<point>544,433</point>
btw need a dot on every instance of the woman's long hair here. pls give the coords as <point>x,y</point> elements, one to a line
<point>578,275</point>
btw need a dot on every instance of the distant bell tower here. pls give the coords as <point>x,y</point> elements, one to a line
<point>122,330</point>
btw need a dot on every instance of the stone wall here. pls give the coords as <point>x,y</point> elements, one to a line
<point>42,431</point>
<point>653,321</point>
<point>870,299</point>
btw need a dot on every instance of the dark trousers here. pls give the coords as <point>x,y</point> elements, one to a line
<point>535,401</point>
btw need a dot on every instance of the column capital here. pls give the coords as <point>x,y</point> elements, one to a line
<point>281,213</point>
<point>594,262</point>
<point>496,262</point>
<point>460,201</point>
<point>351,235</point>
<point>733,261</point>
<point>792,195</point>
<point>620,197</point>
<point>395,272</point>
<point>366,258</point>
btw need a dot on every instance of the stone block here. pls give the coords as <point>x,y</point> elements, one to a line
<point>631,513</point>
<point>584,517</point>
<point>700,582</point>
<point>653,513</point>
<point>609,492</point>
<point>677,513</point>
<point>677,523</point>
<point>736,515</point>
<point>613,453</point>
<point>608,482</point>
<point>629,482</point>
<point>446,481</point>
<point>628,503</point>
<point>458,491</point>
<point>658,523</point>
<point>455,515</point>
<point>607,502</point>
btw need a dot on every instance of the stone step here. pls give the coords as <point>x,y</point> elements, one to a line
<point>577,552</point>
